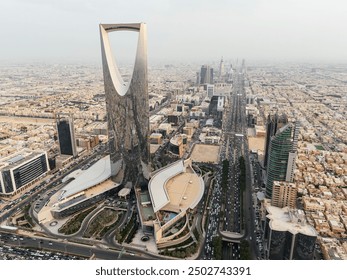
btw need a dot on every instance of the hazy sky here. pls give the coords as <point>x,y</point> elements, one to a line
<point>178,30</point>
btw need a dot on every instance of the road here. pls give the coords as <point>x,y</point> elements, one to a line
<point>238,206</point>
<point>98,250</point>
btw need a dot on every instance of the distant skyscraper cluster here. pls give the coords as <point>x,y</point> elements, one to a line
<point>127,108</point>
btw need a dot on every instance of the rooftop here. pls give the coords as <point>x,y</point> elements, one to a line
<point>96,174</point>
<point>285,219</point>
<point>18,158</point>
<point>176,186</point>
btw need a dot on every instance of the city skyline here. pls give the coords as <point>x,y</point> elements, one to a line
<point>185,121</point>
<point>220,142</point>
<point>179,31</point>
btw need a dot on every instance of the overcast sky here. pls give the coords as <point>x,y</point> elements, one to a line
<point>178,30</point>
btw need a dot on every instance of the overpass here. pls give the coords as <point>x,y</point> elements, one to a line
<point>230,236</point>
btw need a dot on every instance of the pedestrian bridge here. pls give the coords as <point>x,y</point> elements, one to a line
<point>231,236</point>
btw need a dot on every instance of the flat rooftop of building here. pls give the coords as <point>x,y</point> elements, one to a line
<point>164,126</point>
<point>156,135</point>
<point>184,190</point>
<point>285,219</point>
<point>63,158</point>
<point>175,186</point>
<point>205,153</point>
<point>26,120</point>
<point>18,158</point>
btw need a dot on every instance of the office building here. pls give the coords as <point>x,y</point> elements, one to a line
<point>178,145</point>
<point>206,75</point>
<point>173,118</point>
<point>197,78</point>
<point>216,107</point>
<point>289,237</point>
<point>221,70</point>
<point>282,155</point>
<point>284,194</point>
<point>66,134</point>
<point>273,124</point>
<point>20,170</point>
<point>127,108</point>
<point>210,90</point>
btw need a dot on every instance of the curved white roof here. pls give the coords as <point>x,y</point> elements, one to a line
<point>96,174</point>
<point>156,185</point>
<point>72,175</point>
<point>176,187</point>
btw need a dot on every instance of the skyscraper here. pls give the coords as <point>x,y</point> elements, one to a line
<point>127,108</point>
<point>66,134</point>
<point>274,123</point>
<point>197,78</point>
<point>289,236</point>
<point>282,155</point>
<point>221,70</point>
<point>206,75</point>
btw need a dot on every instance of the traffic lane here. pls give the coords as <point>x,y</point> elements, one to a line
<point>73,249</point>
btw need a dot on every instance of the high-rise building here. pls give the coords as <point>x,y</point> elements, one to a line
<point>66,134</point>
<point>274,123</point>
<point>127,108</point>
<point>284,194</point>
<point>197,78</point>
<point>288,235</point>
<point>206,75</point>
<point>210,90</point>
<point>20,170</point>
<point>282,155</point>
<point>221,70</point>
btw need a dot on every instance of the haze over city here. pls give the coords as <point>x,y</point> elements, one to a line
<point>178,30</point>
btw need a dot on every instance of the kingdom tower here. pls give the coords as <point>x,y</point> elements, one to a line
<point>127,108</point>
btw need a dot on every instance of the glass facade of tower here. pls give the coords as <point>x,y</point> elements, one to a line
<point>280,147</point>
<point>23,171</point>
<point>277,244</point>
<point>127,108</point>
<point>206,75</point>
<point>66,134</point>
<point>304,247</point>
<point>284,245</point>
<point>273,124</point>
